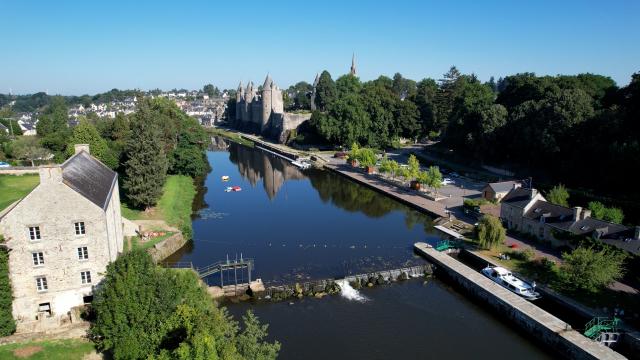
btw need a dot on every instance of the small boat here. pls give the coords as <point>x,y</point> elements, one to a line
<point>228,189</point>
<point>505,278</point>
<point>225,178</point>
<point>301,164</point>
<point>236,188</point>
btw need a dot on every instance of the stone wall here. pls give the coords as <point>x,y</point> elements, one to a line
<point>19,171</point>
<point>166,247</point>
<point>541,326</point>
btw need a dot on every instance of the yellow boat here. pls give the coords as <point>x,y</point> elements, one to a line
<point>225,178</point>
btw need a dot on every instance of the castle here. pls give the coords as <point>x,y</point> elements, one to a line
<point>262,111</point>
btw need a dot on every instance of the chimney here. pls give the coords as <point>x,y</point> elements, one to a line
<point>585,213</point>
<point>82,147</point>
<point>534,192</point>
<point>50,174</point>
<point>577,211</point>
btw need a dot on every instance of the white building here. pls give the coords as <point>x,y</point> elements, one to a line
<point>61,237</point>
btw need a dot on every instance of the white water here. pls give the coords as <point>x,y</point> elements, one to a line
<point>349,293</point>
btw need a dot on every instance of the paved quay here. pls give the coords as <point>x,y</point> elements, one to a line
<point>538,323</point>
<point>407,197</point>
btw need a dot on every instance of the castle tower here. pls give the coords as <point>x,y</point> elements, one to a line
<point>353,65</point>
<point>239,99</point>
<point>266,102</point>
<point>313,93</point>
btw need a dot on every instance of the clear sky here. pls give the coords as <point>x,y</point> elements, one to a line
<point>77,47</point>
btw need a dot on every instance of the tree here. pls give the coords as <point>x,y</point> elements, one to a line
<point>251,341</point>
<point>146,164</point>
<point>490,232</point>
<point>326,91</point>
<point>413,166</point>
<point>85,133</point>
<point>210,90</point>
<point>558,195</point>
<point>434,178</point>
<point>143,311</point>
<point>53,126</point>
<point>28,148</point>
<point>587,269</point>
<point>354,153</point>
<point>611,214</point>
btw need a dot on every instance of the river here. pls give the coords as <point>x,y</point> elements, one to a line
<point>313,224</point>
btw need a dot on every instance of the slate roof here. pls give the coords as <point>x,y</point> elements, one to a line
<point>519,197</point>
<point>560,216</point>
<point>503,186</point>
<point>90,178</point>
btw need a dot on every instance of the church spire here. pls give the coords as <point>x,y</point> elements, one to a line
<point>353,65</point>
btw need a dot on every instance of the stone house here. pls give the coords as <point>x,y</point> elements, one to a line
<point>527,211</point>
<point>61,237</point>
<point>496,191</point>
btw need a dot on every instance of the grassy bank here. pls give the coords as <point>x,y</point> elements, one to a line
<point>73,349</point>
<point>174,206</point>
<point>15,187</point>
<point>235,137</point>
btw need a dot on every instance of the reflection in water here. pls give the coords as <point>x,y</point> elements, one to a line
<point>255,165</point>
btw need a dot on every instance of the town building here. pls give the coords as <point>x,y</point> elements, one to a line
<point>496,191</point>
<point>61,237</point>
<point>527,211</point>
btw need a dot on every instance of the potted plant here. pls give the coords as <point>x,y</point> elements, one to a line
<point>368,159</point>
<point>354,155</point>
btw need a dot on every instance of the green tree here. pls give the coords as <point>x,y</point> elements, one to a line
<point>143,311</point>
<point>211,90</point>
<point>490,232</point>
<point>326,91</point>
<point>413,166</point>
<point>587,269</point>
<point>354,152</point>
<point>558,195</point>
<point>28,148</point>
<point>7,324</point>
<point>146,164</point>
<point>348,84</point>
<point>611,214</point>
<point>53,127</point>
<point>434,178</point>
<point>85,133</point>
<point>251,341</point>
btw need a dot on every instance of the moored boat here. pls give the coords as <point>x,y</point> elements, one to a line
<point>225,178</point>
<point>507,280</point>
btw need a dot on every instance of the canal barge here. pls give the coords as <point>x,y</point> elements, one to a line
<point>507,280</point>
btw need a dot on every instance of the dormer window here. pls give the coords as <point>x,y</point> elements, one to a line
<point>34,233</point>
<point>537,210</point>
<point>79,226</point>
<point>584,228</point>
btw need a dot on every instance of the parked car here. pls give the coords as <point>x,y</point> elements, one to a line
<point>4,164</point>
<point>446,181</point>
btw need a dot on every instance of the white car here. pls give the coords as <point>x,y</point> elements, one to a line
<point>447,181</point>
<point>4,165</point>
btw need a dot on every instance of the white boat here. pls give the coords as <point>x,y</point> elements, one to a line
<point>505,278</point>
<point>301,164</point>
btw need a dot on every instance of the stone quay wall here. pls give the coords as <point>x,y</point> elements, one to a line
<point>539,324</point>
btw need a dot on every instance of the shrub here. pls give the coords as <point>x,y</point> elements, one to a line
<point>7,324</point>
<point>591,270</point>
<point>490,232</point>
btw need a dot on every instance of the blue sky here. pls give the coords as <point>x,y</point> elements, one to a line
<point>74,47</point>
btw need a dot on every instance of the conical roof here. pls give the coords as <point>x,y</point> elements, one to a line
<point>267,82</point>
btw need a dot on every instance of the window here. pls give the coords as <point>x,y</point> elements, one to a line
<point>38,258</point>
<point>79,228</point>
<point>41,283</point>
<point>83,253</point>
<point>34,233</point>
<point>86,277</point>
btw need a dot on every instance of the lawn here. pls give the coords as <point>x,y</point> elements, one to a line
<point>72,349</point>
<point>174,206</point>
<point>15,187</point>
<point>136,244</point>
<point>231,136</point>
